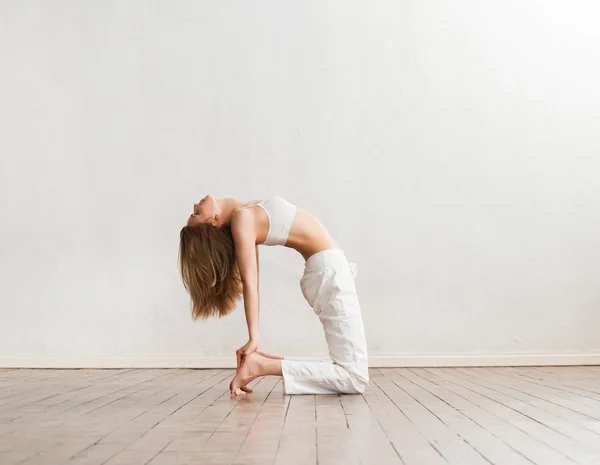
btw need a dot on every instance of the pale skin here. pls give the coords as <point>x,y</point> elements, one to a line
<point>250,227</point>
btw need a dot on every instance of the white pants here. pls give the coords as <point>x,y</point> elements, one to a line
<point>328,286</point>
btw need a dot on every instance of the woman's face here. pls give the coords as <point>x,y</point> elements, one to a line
<point>203,211</point>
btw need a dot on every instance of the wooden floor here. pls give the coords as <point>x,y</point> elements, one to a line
<point>413,416</point>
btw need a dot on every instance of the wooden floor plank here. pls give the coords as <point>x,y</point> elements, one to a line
<point>541,404</point>
<point>262,441</point>
<point>551,380</point>
<point>98,423</point>
<point>407,416</point>
<point>529,418</point>
<point>573,376</point>
<point>335,440</point>
<point>474,407</point>
<point>487,444</point>
<point>162,429</point>
<point>298,441</point>
<point>410,443</point>
<point>449,443</point>
<point>71,396</point>
<point>50,425</point>
<point>14,390</point>
<point>369,439</point>
<point>572,407</point>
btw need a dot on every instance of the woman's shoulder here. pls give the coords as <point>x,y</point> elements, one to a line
<point>244,212</point>
<point>270,203</point>
<point>251,203</point>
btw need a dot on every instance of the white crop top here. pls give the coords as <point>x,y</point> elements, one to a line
<point>281,215</point>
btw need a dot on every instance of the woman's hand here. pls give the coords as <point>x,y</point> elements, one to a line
<point>246,349</point>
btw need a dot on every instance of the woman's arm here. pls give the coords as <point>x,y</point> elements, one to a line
<point>257,277</point>
<point>244,236</point>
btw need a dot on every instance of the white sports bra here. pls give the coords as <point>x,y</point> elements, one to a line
<point>281,215</point>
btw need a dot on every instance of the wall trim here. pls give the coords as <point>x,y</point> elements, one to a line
<point>198,361</point>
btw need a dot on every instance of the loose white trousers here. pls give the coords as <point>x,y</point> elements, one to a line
<point>329,288</point>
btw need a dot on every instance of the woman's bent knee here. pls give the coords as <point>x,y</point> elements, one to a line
<point>358,383</point>
<point>362,384</point>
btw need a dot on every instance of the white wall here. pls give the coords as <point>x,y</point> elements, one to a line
<point>452,147</point>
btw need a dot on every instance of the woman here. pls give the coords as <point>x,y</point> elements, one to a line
<point>219,263</point>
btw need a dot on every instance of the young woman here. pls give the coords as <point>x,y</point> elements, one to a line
<point>219,263</point>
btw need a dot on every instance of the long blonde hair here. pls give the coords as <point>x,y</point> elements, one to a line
<point>209,269</point>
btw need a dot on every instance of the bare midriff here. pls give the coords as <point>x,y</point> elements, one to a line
<point>308,236</point>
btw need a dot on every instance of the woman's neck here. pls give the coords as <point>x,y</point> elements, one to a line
<point>228,206</point>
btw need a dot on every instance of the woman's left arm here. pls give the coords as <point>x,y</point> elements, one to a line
<point>244,236</point>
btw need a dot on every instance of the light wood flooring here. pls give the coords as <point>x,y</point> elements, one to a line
<point>412,416</point>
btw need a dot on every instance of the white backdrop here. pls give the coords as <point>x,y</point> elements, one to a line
<point>452,148</point>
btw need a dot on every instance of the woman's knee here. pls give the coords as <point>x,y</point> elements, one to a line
<point>358,383</point>
<point>362,383</point>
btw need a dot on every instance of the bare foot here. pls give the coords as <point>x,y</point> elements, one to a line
<point>245,389</point>
<point>246,373</point>
<point>274,357</point>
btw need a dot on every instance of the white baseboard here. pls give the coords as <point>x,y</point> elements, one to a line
<point>484,360</point>
<point>197,361</point>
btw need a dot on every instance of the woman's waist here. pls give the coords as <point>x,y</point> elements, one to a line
<point>329,258</point>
